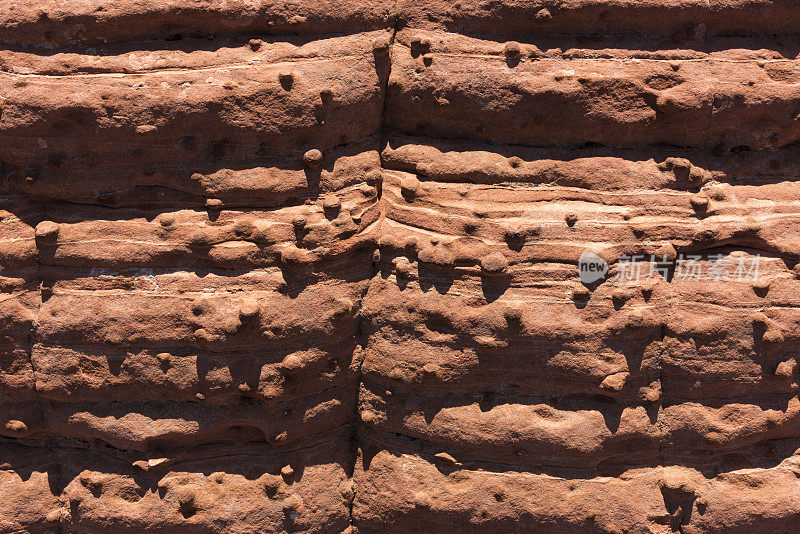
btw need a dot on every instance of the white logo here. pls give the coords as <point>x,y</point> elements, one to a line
<point>592,268</point>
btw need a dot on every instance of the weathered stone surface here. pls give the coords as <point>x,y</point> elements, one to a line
<point>315,266</point>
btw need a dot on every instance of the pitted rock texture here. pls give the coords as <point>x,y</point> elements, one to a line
<point>314,266</point>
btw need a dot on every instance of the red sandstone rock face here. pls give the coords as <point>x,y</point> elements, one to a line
<point>313,267</point>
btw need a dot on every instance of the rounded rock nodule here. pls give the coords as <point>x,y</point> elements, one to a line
<point>494,263</point>
<point>313,158</point>
<point>47,232</point>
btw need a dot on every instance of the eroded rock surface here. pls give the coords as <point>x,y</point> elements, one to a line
<point>314,266</point>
